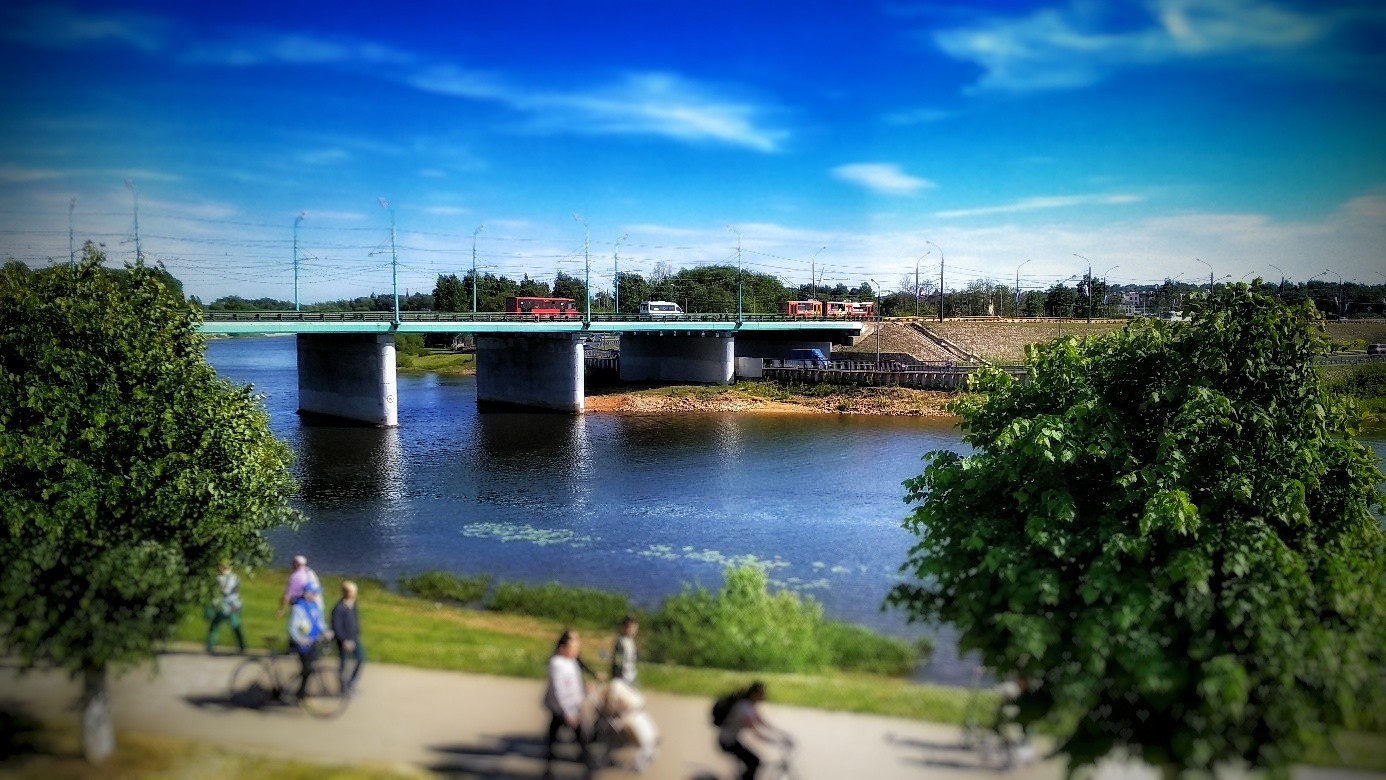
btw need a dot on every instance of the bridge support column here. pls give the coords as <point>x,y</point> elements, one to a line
<point>702,358</point>
<point>351,376</point>
<point>543,371</point>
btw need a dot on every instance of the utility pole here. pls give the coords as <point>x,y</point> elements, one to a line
<point>1017,287</point>
<point>940,278</point>
<point>738,272</point>
<point>876,314</point>
<point>139,253</point>
<point>479,228</point>
<point>616,274</point>
<point>587,273</point>
<point>71,244</point>
<point>1280,289</point>
<point>394,256</point>
<point>297,220</point>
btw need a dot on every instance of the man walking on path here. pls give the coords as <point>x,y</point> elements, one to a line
<point>299,580</point>
<point>346,629</point>
<point>305,630</point>
<point>227,608</point>
<point>564,697</point>
<point>623,655</point>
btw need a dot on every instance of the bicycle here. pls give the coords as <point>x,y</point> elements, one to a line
<point>784,768</point>
<point>260,680</point>
<point>988,732</point>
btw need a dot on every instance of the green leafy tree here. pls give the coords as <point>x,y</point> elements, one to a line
<point>449,295</point>
<point>1167,531</point>
<point>128,470</point>
<point>634,291</point>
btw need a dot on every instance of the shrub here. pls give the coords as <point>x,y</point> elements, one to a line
<point>857,649</point>
<point>582,606</point>
<point>409,345</point>
<point>444,586</point>
<point>742,626</point>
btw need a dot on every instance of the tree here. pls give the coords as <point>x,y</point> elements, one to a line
<point>634,291</point>
<point>449,295</point>
<point>1168,532</point>
<point>565,286</point>
<point>128,470</point>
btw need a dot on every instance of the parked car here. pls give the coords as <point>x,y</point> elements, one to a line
<point>1376,349</point>
<point>806,358</point>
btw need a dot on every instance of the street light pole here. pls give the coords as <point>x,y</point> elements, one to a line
<point>71,244</point>
<point>1280,290</point>
<point>587,272</point>
<point>1089,283</point>
<point>134,193</point>
<point>876,313</point>
<point>297,220</point>
<point>616,274</point>
<point>813,280</point>
<point>1017,287</point>
<point>916,282</point>
<point>1210,273</point>
<point>479,228</point>
<point>738,272</point>
<point>394,256</point>
<point>940,278</point>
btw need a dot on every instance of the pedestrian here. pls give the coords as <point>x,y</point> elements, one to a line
<point>299,579</point>
<point>306,629</point>
<point>565,696</point>
<point>623,654</point>
<point>346,630</point>
<point>745,714</point>
<point>227,608</point>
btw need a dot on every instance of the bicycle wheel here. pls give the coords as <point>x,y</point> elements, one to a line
<point>322,697</point>
<point>253,684</point>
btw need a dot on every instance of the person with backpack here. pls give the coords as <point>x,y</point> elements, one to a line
<point>741,711</point>
<point>227,609</point>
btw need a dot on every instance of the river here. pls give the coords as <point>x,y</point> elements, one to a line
<point>640,505</point>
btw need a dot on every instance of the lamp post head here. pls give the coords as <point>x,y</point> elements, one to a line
<point>384,204</point>
<point>479,228</point>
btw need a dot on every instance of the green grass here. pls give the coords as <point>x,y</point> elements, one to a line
<point>578,606</point>
<point>444,586</point>
<point>446,363</point>
<point>434,635</point>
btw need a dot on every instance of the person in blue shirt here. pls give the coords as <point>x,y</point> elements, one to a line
<point>306,629</point>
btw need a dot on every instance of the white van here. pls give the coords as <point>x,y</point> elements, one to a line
<point>660,309</point>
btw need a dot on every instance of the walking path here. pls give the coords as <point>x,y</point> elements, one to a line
<point>468,725</point>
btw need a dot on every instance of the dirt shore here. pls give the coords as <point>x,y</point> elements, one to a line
<point>759,399</point>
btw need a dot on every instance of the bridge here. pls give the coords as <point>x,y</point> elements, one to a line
<point>346,360</point>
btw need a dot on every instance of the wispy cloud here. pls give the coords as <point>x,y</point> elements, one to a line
<point>1042,203</point>
<point>446,211</point>
<point>260,48</point>
<point>882,178</point>
<point>918,116</point>
<point>330,215</point>
<point>1081,43</point>
<point>16,174</point>
<point>65,27</point>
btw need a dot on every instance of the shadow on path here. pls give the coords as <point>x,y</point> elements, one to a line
<point>20,733</point>
<point>506,757</point>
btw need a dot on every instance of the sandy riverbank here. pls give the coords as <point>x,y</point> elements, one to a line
<point>761,398</point>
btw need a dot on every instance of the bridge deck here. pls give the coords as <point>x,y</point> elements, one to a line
<point>430,322</point>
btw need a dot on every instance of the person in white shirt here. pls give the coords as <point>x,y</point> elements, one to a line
<point>623,654</point>
<point>745,714</point>
<point>565,695</point>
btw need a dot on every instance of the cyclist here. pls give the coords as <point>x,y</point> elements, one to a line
<point>745,714</point>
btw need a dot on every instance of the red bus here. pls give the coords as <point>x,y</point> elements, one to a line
<point>562,308</point>
<point>802,308</point>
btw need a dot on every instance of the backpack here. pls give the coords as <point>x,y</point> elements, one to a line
<point>722,708</point>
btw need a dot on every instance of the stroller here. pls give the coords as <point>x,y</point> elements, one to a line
<point>622,720</point>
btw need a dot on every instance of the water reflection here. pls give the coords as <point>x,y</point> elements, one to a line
<point>341,466</point>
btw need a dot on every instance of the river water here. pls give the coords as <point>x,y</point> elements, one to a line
<point>640,505</point>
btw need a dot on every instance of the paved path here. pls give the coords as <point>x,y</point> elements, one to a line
<point>466,725</point>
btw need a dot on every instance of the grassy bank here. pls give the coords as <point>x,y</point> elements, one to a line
<point>443,635</point>
<point>764,396</point>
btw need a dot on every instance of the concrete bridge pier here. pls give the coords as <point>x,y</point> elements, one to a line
<point>543,371</point>
<point>348,375</point>
<point>705,358</point>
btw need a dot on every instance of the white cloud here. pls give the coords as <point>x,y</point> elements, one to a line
<point>1041,203</point>
<point>882,178</point>
<point>329,214</point>
<point>1070,46</point>
<point>325,157</point>
<point>16,174</point>
<point>446,211</point>
<point>918,116</point>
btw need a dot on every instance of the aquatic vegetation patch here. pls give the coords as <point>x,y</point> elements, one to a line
<point>520,532</point>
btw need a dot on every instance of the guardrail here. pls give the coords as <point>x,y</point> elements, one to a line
<point>415,316</point>
<point>1349,360</point>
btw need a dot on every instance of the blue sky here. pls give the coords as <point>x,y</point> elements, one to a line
<point>1142,135</point>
